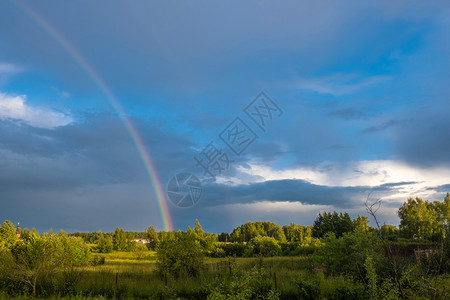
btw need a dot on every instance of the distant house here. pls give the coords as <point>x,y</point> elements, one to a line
<point>142,241</point>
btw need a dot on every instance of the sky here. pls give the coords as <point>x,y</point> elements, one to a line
<point>273,111</point>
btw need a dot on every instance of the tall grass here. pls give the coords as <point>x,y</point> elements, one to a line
<point>124,277</point>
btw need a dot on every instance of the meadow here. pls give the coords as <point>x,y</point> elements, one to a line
<point>123,275</point>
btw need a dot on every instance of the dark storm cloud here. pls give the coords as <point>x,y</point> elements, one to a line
<point>84,173</point>
<point>292,191</point>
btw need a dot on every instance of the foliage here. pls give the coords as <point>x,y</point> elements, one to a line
<point>389,232</point>
<point>250,230</point>
<point>347,255</point>
<point>263,246</point>
<point>254,284</point>
<point>361,223</point>
<point>39,256</point>
<point>224,237</point>
<point>104,244</point>
<point>182,255</point>
<point>119,240</point>
<point>418,219</point>
<point>371,277</point>
<point>152,236</point>
<point>332,222</point>
<point>233,249</point>
<point>8,234</point>
<point>298,234</point>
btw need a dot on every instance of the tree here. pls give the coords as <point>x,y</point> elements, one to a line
<point>119,240</point>
<point>347,255</point>
<point>443,209</point>
<point>152,236</point>
<point>104,245</point>
<point>223,237</point>
<point>198,228</point>
<point>389,232</point>
<point>419,219</point>
<point>182,255</point>
<point>361,223</point>
<point>263,246</point>
<point>332,222</point>
<point>130,244</point>
<point>250,230</point>
<point>298,234</point>
<point>38,257</point>
<point>8,234</point>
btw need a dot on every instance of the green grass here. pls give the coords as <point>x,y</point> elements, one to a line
<point>144,255</point>
<point>123,276</point>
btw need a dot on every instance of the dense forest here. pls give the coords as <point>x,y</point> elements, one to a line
<point>335,258</point>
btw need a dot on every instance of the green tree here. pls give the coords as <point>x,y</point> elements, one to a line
<point>263,246</point>
<point>361,223</point>
<point>250,230</point>
<point>443,209</point>
<point>119,240</point>
<point>224,237</point>
<point>152,236</point>
<point>181,255</point>
<point>104,245</point>
<point>389,232</point>
<point>332,222</point>
<point>198,228</point>
<point>347,255</point>
<point>40,256</point>
<point>371,278</point>
<point>8,233</point>
<point>130,244</point>
<point>298,234</point>
<point>419,219</point>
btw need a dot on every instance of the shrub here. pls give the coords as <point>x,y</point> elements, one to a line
<point>182,255</point>
<point>263,246</point>
<point>234,249</point>
<point>347,255</point>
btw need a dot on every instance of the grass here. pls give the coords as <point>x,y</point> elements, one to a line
<point>144,255</point>
<point>124,276</point>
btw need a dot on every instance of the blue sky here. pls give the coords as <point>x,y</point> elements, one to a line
<point>363,88</point>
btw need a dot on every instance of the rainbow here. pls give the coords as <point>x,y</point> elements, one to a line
<point>134,134</point>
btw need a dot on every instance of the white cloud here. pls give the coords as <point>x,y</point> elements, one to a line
<point>338,84</point>
<point>359,173</point>
<point>15,107</point>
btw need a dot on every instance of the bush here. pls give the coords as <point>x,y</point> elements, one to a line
<point>345,289</point>
<point>104,244</point>
<point>98,260</point>
<point>263,246</point>
<point>347,255</point>
<point>182,255</point>
<point>309,285</point>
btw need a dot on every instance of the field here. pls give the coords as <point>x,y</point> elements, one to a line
<point>123,275</point>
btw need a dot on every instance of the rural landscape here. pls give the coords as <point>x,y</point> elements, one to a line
<point>215,150</point>
<point>336,258</point>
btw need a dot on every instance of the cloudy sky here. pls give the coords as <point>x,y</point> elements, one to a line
<point>102,103</point>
